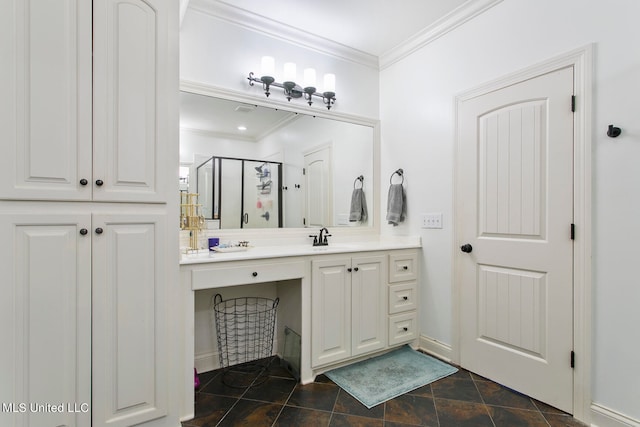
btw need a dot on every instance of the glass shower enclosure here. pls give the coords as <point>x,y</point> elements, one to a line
<point>241,193</point>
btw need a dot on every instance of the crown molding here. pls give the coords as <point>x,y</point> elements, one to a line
<point>447,23</point>
<point>258,23</point>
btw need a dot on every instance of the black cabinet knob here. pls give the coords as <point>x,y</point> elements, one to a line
<point>405,298</point>
<point>83,231</point>
<point>405,267</point>
<point>99,182</point>
<point>355,269</point>
<point>466,248</point>
<point>83,181</point>
<point>349,269</point>
<point>99,230</point>
<point>254,274</point>
<point>405,329</point>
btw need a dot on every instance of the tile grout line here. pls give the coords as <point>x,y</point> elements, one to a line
<point>486,408</point>
<point>284,404</point>
<point>237,399</point>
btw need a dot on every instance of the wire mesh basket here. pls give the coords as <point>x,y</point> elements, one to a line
<point>244,328</point>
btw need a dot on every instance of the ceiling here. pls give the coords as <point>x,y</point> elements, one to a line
<point>371,26</point>
<point>222,118</point>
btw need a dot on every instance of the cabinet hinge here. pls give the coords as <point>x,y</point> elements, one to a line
<point>573,232</point>
<point>573,103</point>
<point>573,359</point>
<point>304,171</point>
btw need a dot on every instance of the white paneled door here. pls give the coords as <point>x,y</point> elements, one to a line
<point>514,210</point>
<point>318,195</point>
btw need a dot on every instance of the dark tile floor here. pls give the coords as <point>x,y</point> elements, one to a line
<point>462,399</point>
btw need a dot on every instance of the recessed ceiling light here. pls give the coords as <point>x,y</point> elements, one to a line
<point>242,128</point>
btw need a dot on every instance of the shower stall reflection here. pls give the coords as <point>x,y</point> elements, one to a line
<point>241,193</point>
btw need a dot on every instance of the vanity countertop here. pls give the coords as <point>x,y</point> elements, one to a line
<point>281,251</point>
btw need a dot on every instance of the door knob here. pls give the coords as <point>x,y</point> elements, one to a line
<point>466,248</point>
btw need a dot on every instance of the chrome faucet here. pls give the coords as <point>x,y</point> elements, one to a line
<point>320,239</point>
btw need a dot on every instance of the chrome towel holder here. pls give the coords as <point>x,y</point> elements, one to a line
<point>399,172</point>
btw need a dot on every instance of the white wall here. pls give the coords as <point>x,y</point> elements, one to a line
<point>509,37</point>
<point>348,142</point>
<point>219,53</point>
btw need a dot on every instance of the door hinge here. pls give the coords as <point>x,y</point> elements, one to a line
<point>304,221</point>
<point>304,172</point>
<point>573,232</point>
<point>573,103</point>
<point>573,359</point>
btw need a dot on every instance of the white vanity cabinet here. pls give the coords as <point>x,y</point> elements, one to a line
<point>88,124</point>
<point>348,306</point>
<point>73,129</point>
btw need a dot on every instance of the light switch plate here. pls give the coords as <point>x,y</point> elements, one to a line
<point>432,220</point>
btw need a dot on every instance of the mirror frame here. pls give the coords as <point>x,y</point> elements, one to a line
<point>319,111</point>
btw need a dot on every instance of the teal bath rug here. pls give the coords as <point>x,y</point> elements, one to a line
<point>390,375</point>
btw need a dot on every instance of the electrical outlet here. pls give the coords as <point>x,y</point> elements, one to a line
<point>432,220</point>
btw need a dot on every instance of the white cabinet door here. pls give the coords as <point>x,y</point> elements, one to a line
<point>330,311</point>
<point>369,304</point>
<point>349,307</point>
<point>131,75</point>
<point>130,363</point>
<point>45,99</point>
<point>45,319</point>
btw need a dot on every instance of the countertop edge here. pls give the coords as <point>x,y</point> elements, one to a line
<point>289,251</point>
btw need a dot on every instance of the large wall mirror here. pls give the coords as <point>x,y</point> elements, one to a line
<point>261,167</point>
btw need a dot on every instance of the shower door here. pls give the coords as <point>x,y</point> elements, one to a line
<point>261,201</point>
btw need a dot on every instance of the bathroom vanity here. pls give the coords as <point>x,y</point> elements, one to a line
<point>347,301</point>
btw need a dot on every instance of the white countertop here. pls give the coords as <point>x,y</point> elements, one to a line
<point>280,251</point>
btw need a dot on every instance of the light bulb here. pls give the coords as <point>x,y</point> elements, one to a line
<point>309,79</point>
<point>267,66</point>
<point>289,72</point>
<point>329,82</point>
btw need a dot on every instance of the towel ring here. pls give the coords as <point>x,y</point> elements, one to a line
<point>398,172</point>
<point>355,181</point>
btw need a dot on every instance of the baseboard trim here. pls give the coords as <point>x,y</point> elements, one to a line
<point>436,348</point>
<point>205,362</point>
<point>605,417</point>
<point>210,360</point>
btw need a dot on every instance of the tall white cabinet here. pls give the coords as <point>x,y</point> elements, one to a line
<point>88,204</point>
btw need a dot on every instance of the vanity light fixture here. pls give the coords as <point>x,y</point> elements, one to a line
<point>291,89</point>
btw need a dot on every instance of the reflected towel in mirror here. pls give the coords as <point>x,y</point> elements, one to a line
<point>358,211</point>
